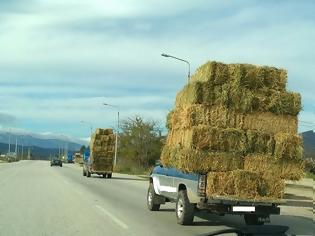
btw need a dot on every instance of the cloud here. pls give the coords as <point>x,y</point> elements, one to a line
<point>61,59</point>
<point>7,119</point>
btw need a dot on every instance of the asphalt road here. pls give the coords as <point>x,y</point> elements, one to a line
<point>39,200</point>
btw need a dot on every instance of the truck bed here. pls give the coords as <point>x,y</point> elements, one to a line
<point>243,201</point>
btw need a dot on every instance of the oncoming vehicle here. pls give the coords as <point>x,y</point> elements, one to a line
<point>188,191</point>
<point>56,162</point>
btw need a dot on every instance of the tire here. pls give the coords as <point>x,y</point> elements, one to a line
<point>104,176</point>
<point>184,209</point>
<point>109,176</point>
<point>88,174</point>
<point>60,165</point>
<point>252,220</point>
<point>151,196</point>
<point>84,173</point>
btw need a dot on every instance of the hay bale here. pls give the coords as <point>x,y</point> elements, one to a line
<point>199,114</point>
<point>285,103</point>
<point>267,164</point>
<point>192,160</point>
<point>102,146</point>
<point>288,146</point>
<point>242,184</point>
<point>169,119</point>
<point>270,123</point>
<point>219,116</point>
<point>192,93</point>
<point>212,72</point>
<point>209,138</point>
<point>227,112</point>
<point>244,75</point>
<point>240,99</point>
<point>259,142</point>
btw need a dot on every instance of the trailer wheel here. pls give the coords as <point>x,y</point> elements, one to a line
<point>251,219</point>
<point>84,173</point>
<point>151,196</point>
<point>88,174</point>
<point>184,209</point>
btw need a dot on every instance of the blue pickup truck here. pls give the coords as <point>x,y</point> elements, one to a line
<point>188,192</point>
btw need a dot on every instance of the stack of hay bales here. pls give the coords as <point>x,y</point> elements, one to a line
<point>238,124</point>
<point>102,146</point>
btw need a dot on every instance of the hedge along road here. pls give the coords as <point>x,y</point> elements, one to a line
<point>37,199</point>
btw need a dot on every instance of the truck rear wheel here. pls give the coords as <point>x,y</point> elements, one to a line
<point>109,175</point>
<point>252,220</point>
<point>184,209</point>
<point>88,174</point>
<point>104,176</point>
<point>151,196</point>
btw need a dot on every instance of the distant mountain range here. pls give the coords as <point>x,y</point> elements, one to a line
<point>39,141</point>
<point>37,153</point>
<point>309,143</point>
<point>41,146</point>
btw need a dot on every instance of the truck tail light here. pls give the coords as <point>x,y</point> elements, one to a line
<point>202,184</point>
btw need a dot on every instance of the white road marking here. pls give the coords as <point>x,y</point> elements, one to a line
<point>114,218</point>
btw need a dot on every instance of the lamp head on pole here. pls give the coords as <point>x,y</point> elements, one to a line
<point>165,55</point>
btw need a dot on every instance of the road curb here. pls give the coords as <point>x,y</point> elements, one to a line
<point>144,176</point>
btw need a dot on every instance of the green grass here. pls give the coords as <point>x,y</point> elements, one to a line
<point>310,175</point>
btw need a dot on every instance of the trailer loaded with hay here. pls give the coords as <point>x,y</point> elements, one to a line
<point>232,142</point>
<point>101,156</point>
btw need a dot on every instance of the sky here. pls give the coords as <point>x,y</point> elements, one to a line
<point>61,60</point>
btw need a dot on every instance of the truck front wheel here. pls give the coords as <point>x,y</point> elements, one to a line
<point>184,209</point>
<point>151,197</point>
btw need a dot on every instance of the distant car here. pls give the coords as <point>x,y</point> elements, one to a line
<point>56,162</point>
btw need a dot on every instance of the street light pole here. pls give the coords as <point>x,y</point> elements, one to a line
<point>177,58</point>
<point>117,132</point>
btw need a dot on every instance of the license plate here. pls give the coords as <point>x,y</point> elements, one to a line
<point>243,209</point>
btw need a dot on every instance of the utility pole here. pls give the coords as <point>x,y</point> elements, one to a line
<point>16,151</point>
<point>29,154</point>
<point>9,143</point>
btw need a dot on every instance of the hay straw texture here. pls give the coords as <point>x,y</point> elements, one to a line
<point>266,164</point>
<point>243,184</point>
<point>192,160</point>
<point>102,146</point>
<point>240,99</point>
<point>222,117</point>
<point>238,124</point>
<point>243,75</point>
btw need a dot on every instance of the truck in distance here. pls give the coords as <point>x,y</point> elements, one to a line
<point>98,159</point>
<point>78,158</point>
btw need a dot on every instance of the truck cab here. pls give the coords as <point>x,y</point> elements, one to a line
<point>188,192</point>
